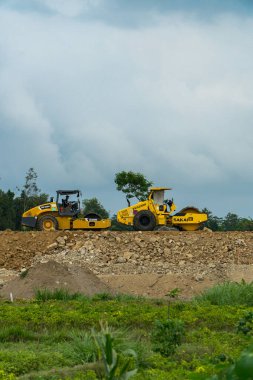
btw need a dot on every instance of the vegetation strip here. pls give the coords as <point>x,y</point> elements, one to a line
<point>147,339</point>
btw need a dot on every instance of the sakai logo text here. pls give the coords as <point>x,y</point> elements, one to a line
<point>182,219</point>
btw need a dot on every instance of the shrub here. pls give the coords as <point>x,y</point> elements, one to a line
<point>242,369</point>
<point>24,361</point>
<point>167,335</point>
<point>6,376</point>
<point>245,324</point>
<point>229,293</point>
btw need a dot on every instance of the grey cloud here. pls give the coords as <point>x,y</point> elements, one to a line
<point>81,101</point>
<point>131,13</point>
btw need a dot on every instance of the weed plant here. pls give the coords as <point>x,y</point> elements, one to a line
<point>117,364</point>
<point>229,293</point>
<point>82,347</point>
<point>24,273</point>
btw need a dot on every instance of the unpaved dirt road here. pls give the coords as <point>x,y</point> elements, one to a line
<point>145,263</point>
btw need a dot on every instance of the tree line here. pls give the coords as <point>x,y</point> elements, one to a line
<point>133,185</point>
<point>12,206</point>
<point>231,222</point>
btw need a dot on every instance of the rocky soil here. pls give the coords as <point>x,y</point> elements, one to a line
<point>150,263</point>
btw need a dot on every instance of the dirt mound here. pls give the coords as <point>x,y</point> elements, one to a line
<point>53,275</point>
<point>135,262</point>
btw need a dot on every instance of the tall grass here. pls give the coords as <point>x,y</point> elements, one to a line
<point>57,294</point>
<point>83,348</point>
<point>121,297</point>
<point>228,293</point>
<point>65,295</point>
<point>16,334</point>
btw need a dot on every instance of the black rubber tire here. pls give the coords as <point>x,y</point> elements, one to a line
<point>52,223</point>
<point>92,215</point>
<point>144,221</point>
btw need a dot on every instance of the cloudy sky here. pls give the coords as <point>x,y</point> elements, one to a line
<point>163,87</point>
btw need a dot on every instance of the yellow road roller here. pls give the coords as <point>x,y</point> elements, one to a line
<point>155,213</point>
<point>63,214</point>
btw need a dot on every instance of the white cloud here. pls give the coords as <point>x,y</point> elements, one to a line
<point>80,101</point>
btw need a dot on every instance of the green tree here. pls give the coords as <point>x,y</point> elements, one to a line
<point>30,196</point>
<point>7,210</point>
<point>30,186</point>
<point>94,206</point>
<point>12,208</point>
<point>246,224</point>
<point>213,222</point>
<point>231,222</point>
<point>132,184</point>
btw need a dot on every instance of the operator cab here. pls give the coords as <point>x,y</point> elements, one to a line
<point>68,202</point>
<point>157,195</point>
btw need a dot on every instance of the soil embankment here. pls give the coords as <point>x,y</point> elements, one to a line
<point>147,263</point>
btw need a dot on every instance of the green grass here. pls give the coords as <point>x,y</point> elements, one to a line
<point>65,295</point>
<point>16,334</point>
<point>229,293</point>
<point>57,294</point>
<point>57,331</point>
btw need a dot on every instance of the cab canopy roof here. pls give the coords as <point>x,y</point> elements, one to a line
<point>68,192</point>
<point>159,188</point>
